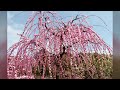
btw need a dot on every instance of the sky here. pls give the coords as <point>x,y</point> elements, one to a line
<point>17,19</point>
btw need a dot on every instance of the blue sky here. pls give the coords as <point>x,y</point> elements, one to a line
<point>17,20</point>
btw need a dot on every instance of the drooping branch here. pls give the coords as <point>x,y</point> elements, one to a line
<point>49,50</point>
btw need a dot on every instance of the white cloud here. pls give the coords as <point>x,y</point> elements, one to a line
<point>13,29</point>
<point>12,36</point>
<point>11,14</point>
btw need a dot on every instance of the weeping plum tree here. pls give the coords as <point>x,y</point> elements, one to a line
<point>50,48</point>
